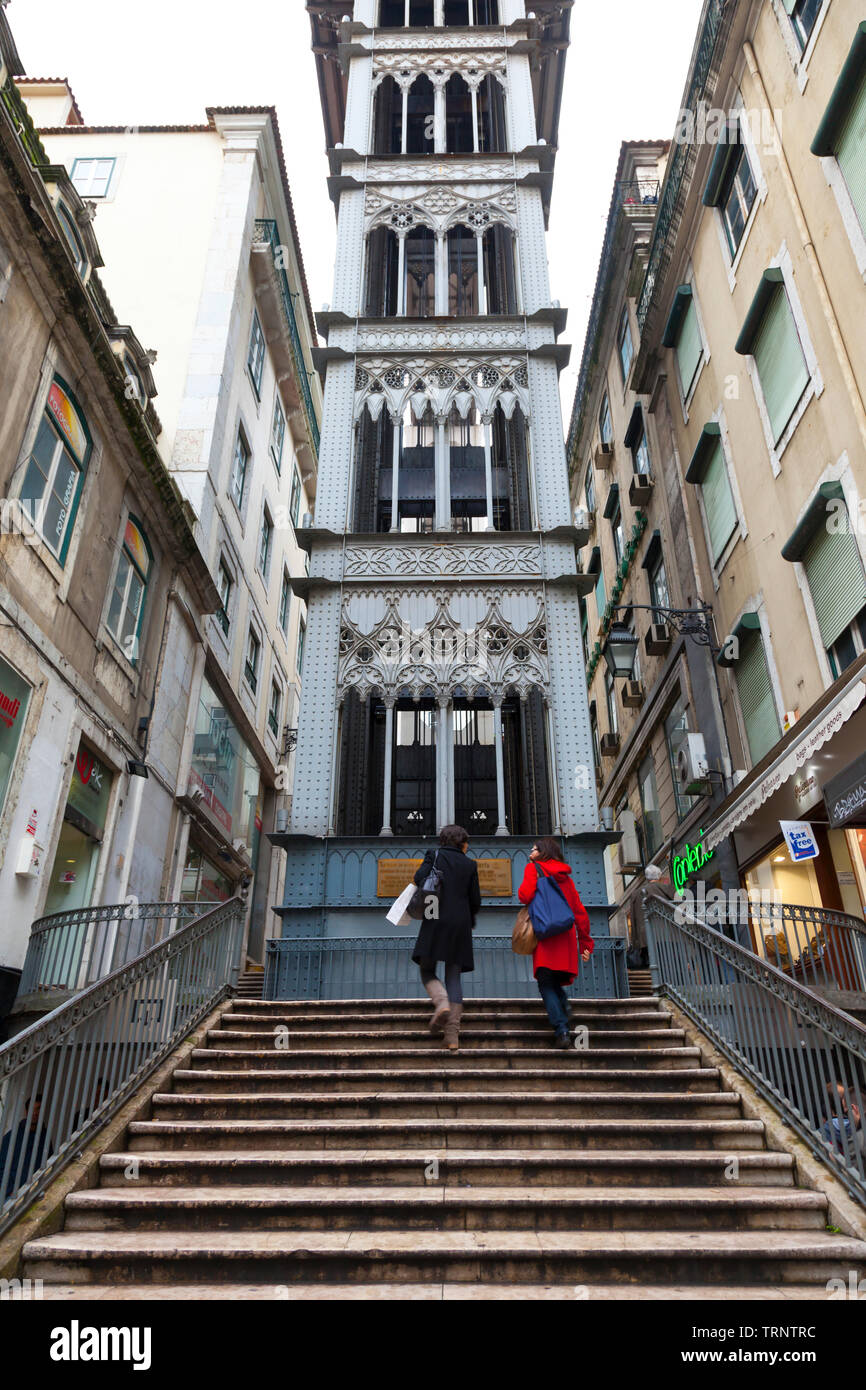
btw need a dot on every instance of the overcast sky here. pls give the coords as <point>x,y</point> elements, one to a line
<point>165,61</point>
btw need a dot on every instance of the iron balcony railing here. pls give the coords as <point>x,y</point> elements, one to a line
<point>638,192</point>
<point>821,949</point>
<point>266,231</point>
<point>70,950</point>
<point>807,1058</point>
<point>63,1077</point>
<point>382,968</point>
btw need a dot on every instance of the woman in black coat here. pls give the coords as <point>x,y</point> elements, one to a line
<point>448,936</point>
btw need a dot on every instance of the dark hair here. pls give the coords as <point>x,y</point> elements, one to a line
<point>548,848</point>
<point>453,837</point>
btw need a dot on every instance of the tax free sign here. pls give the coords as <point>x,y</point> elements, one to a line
<point>800,839</point>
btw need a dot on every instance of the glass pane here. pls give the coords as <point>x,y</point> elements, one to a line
<point>59,503</point>
<point>133,608</point>
<point>117,593</point>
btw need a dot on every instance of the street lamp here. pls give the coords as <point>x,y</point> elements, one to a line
<point>620,650</point>
<point>621,645</point>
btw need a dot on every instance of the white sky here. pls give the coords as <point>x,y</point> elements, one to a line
<point>165,61</point>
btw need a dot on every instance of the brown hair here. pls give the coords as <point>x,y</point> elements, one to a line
<point>548,848</point>
<point>453,837</point>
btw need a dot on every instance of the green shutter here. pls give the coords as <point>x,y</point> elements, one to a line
<point>718,502</point>
<point>756,698</point>
<point>851,153</point>
<point>690,349</point>
<point>600,596</point>
<point>836,581</point>
<point>780,362</point>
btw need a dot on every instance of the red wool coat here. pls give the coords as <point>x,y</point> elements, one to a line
<point>561,952</point>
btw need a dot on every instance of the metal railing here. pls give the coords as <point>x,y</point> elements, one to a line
<point>820,948</point>
<point>266,231</point>
<point>70,950</point>
<point>807,1058</point>
<point>63,1077</point>
<point>382,968</point>
<point>638,191</point>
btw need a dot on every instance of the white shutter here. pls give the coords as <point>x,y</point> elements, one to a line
<point>781,364</point>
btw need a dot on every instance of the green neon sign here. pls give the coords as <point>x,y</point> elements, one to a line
<point>690,860</point>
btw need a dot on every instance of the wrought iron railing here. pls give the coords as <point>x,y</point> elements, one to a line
<point>266,231</point>
<point>821,949</point>
<point>382,968</point>
<point>807,1058</point>
<point>638,192</point>
<point>63,1077</point>
<point>70,950</point>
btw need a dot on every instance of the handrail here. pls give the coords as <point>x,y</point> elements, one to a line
<point>64,1076</point>
<point>806,1057</point>
<point>266,231</point>
<point>816,945</point>
<point>70,950</point>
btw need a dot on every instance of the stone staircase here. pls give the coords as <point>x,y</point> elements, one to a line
<point>640,984</point>
<point>251,983</point>
<point>335,1150</point>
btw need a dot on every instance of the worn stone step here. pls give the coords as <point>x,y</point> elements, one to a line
<point>416,1022</point>
<point>424,1134</point>
<point>450,1079</point>
<point>419,1104</point>
<point>470,1037</point>
<point>435,1054</point>
<point>448,1167</point>
<point>434,1292</point>
<point>459,1256</point>
<point>438,1208</point>
<point>421,1005</point>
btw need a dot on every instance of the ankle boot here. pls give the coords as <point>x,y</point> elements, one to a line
<point>452,1028</point>
<point>442,1008</point>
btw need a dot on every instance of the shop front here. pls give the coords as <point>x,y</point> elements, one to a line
<point>72,880</point>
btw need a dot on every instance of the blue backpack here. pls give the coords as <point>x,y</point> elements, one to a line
<point>549,911</point>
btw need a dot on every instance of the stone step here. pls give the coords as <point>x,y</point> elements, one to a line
<point>433,1292</point>
<point>503,1167</point>
<point>428,1134</point>
<point>535,1022</point>
<point>447,1209</point>
<point>436,1055</point>
<point>470,1037</point>
<point>384,1007</point>
<point>392,1256</point>
<point>419,1104</point>
<point>449,1079</point>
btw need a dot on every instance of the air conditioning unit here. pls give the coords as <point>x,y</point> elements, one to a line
<point>692,766</point>
<point>628,852</point>
<point>584,520</point>
<point>640,490</point>
<point>604,456</point>
<point>658,639</point>
<point>609,745</point>
<point>632,695</point>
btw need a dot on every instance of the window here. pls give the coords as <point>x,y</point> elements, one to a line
<point>126,609</point>
<point>285,600</point>
<point>848,646</point>
<point>738,195</point>
<point>589,491</point>
<point>617,533</point>
<point>278,433</point>
<point>274,708</point>
<point>54,472</point>
<point>610,696</point>
<point>781,364</point>
<point>708,468</point>
<point>266,538</point>
<point>640,455</point>
<point>649,801</point>
<point>658,584</point>
<point>676,733</point>
<point>302,637</point>
<point>625,344</point>
<point>837,583</point>
<point>238,483</point>
<point>600,595</point>
<point>804,14</point>
<point>850,152</point>
<point>256,354</point>
<point>92,177</point>
<point>584,631</point>
<point>76,245</point>
<point>225,584</point>
<point>593,728</point>
<point>295,503</point>
<point>757,704</point>
<point>251,665</point>
<point>682,333</point>
<point>605,422</point>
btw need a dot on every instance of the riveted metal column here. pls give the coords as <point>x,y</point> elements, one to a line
<point>389,767</point>
<point>488,470</point>
<point>442,753</point>
<point>395,472</point>
<point>502,828</point>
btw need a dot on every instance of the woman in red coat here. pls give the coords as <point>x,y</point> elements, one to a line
<point>554,962</point>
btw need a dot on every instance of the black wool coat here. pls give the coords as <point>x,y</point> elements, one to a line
<point>449,938</point>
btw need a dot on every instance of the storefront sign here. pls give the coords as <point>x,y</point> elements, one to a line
<point>690,860</point>
<point>90,788</point>
<point>800,839</point>
<point>845,795</point>
<point>14,697</point>
<point>392,876</point>
<point>68,420</point>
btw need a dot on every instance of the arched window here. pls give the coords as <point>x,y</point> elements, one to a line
<point>468,479</point>
<point>492,127</point>
<point>462,271</point>
<point>388,118</point>
<point>76,245</point>
<point>420,103</point>
<point>500,272</point>
<point>381,282</point>
<point>420,273</point>
<point>126,607</point>
<point>417,476</point>
<point>458,116</point>
<point>55,469</point>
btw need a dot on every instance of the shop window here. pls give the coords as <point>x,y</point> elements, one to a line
<point>202,880</point>
<point>14,701</point>
<point>126,609</point>
<point>55,469</point>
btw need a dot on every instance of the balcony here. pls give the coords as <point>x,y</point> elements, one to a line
<point>639,193</point>
<point>266,243</point>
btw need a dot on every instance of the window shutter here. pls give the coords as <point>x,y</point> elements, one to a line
<point>756,698</point>
<point>781,364</point>
<point>851,153</point>
<point>690,349</point>
<point>718,502</point>
<point>836,581</point>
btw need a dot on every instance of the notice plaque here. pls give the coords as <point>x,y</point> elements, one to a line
<point>494,876</point>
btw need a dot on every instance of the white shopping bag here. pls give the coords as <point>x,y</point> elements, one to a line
<point>398,916</point>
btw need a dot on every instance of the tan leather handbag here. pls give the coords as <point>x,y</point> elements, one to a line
<point>523,938</point>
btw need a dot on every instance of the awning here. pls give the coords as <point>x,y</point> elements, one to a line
<point>727,151</point>
<point>770,282</point>
<point>710,436</point>
<point>679,309</point>
<point>653,551</point>
<point>594,565</point>
<point>839,108</point>
<point>816,513</point>
<point>748,622</point>
<point>612,502</point>
<point>803,747</point>
<point>635,428</point>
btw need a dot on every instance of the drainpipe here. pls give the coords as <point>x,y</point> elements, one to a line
<point>810,252</point>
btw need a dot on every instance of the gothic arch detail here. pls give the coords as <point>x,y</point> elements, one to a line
<point>437,386</point>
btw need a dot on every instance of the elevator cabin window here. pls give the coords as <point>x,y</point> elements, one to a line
<point>420,274</point>
<point>468,481</point>
<point>396,14</point>
<point>462,12</point>
<point>458,116</point>
<point>381,278</point>
<point>419,116</point>
<point>462,272</point>
<point>475,784</point>
<point>388,122</point>
<point>414,789</point>
<point>415,477</point>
